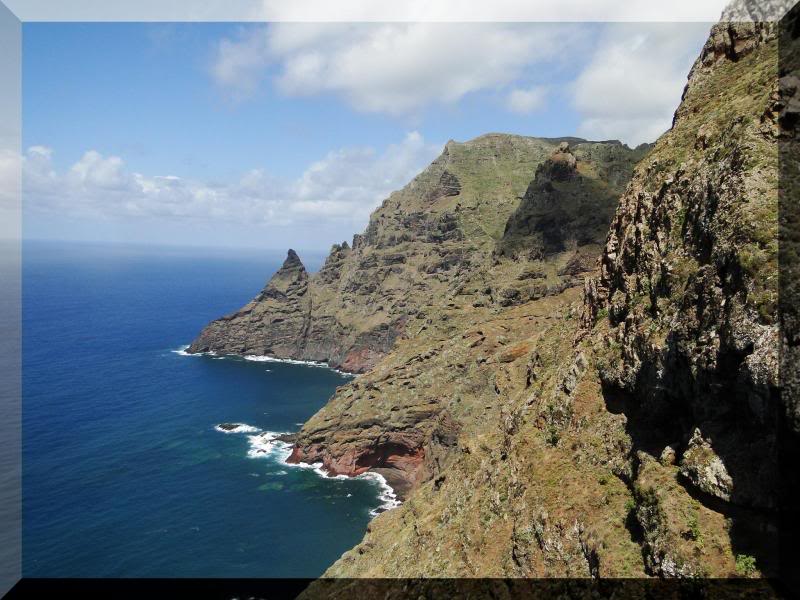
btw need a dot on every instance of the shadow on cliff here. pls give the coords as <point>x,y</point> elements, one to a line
<point>554,213</point>
<point>660,416</point>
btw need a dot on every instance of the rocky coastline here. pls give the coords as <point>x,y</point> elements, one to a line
<point>568,351</point>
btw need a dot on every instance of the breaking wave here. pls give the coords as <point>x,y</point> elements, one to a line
<point>236,428</point>
<point>265,444</point>
<point>258,358</point>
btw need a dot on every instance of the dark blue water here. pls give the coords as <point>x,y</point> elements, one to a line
<point>124,474</point>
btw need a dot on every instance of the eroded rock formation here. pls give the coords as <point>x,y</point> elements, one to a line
<point>635,427</point>
<point>434,239</point>
<point>540,425</point>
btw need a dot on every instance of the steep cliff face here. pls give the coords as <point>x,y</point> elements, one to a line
<point>628,429</point>
<point>433,240</point>
<point>687,300</point>
<point>269,324</point>
<point>395,427</point>
<point>689,276</point>
<point>570,201</point>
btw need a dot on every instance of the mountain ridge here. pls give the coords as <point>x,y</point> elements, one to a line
<point>564,399</point>
<point>631,428</point>
<point>444,225</point>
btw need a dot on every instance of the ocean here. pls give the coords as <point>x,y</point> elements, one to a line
<point>126,472</point>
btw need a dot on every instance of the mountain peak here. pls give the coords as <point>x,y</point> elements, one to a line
<point>292,261</point>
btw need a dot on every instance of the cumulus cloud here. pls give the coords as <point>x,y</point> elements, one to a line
<point>344,186</point>
<point>394,68</point>
<point>351,182</point>
<point>633,83</point>
<point>239,64</point>
<point>526,101</point>
<point>628,83</point>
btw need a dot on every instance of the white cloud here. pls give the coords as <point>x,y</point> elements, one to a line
<point>526,101</point>
<point>239,65</point>
<point>395,68</point>
<point>353,181</point>
<point>633,83</point>
<point>344,186</point>
<point>96,171</point>
<point>629,81</point>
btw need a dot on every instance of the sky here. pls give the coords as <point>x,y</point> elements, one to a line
<point>290,134</point>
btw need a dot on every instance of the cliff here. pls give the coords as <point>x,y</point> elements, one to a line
<point>577,357</point>
<point>435,239</point>
<point>631,428</point>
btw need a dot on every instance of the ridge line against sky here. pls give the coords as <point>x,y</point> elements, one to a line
<point>281,134</point>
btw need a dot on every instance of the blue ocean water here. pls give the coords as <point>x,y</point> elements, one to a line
<point>124,474</point>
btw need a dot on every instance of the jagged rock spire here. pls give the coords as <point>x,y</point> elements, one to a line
<point>292,261</point>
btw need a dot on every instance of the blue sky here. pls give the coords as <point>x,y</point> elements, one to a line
<point>289,135</point>
<point>145,92</point>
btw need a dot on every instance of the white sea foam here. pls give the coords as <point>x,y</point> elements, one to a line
<point>265,444</point>
<point>287,361</point>
<point>258,358</point>
<point>292,361</point>
<point>181,350</point>
<point>317,468</point>
<point>387,496</point>
<point>238,428</point>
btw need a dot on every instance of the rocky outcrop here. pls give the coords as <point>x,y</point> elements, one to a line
<point>705,469</point>
<point>689,277</point>
<point>687,297</point>
<point>430,242</point>
<point>570,201</point>
<point>398,455</point>
<point>628,429</point>
<point>274,323</point>
<point>448,185</point>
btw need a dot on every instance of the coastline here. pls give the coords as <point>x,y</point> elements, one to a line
<point>279,445</point>
<point>394,488</point>
<point>182,351</point>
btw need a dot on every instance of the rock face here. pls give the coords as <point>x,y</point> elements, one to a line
<point>543,425</point>
<point>434,239</point>
<point>704,469</point>
<point>689,276</point>
<point>271,323</point>
<point>570,201</point>
<point>626,429</point>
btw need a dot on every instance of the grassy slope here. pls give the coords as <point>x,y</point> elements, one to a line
<point>536,483</point>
